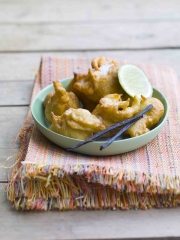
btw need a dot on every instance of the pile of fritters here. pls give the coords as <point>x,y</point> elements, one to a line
<point>95,101</point>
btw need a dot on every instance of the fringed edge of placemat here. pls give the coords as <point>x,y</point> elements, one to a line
<point>49,187</point>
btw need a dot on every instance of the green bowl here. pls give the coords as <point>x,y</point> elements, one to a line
<point>93,148</point>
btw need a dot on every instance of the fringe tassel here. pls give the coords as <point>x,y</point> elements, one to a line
<point>46,188</point>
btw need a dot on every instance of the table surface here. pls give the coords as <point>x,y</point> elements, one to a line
<point>135,30</point>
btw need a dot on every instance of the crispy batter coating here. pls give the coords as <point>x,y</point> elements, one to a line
<point>59,101</point>
<point>76,123</point>
<point>112,109</point>
<point>87,103</point>
<point>48,97</point>
<point>101,79</point>
<point>150,119</point>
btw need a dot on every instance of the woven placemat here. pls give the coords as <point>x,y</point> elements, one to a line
<point>48,177</point>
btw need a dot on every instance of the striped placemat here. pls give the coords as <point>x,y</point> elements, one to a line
<point>48,177</point>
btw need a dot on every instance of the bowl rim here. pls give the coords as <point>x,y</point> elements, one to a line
<point>163,119</point>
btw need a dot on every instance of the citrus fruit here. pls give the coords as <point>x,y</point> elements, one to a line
<point>134,81</point>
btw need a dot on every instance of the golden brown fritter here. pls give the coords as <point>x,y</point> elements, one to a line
<point>150,119</point>
<point>59,101</point>
<point>76,123</point>
<point>101,79</point>
<point>111,109</point>
<point>48,97</point>
<point>86,102</point>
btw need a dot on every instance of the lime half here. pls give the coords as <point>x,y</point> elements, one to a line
<point>134,81</point>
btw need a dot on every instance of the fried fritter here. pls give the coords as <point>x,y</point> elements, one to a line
<point>101,79</point>
<point>86,102</point>
<point>48,97</point>
<point>150,119</point>
<point>76,123</point>
<point>112,109</point>
<point>59,101</point>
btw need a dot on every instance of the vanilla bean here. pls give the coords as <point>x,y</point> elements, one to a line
<point>119,133</point>
<point>111,128</point>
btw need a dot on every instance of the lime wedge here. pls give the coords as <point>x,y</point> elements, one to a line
<point>134,81</point>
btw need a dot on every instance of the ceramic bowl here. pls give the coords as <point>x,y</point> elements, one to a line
<point>93,148</point>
